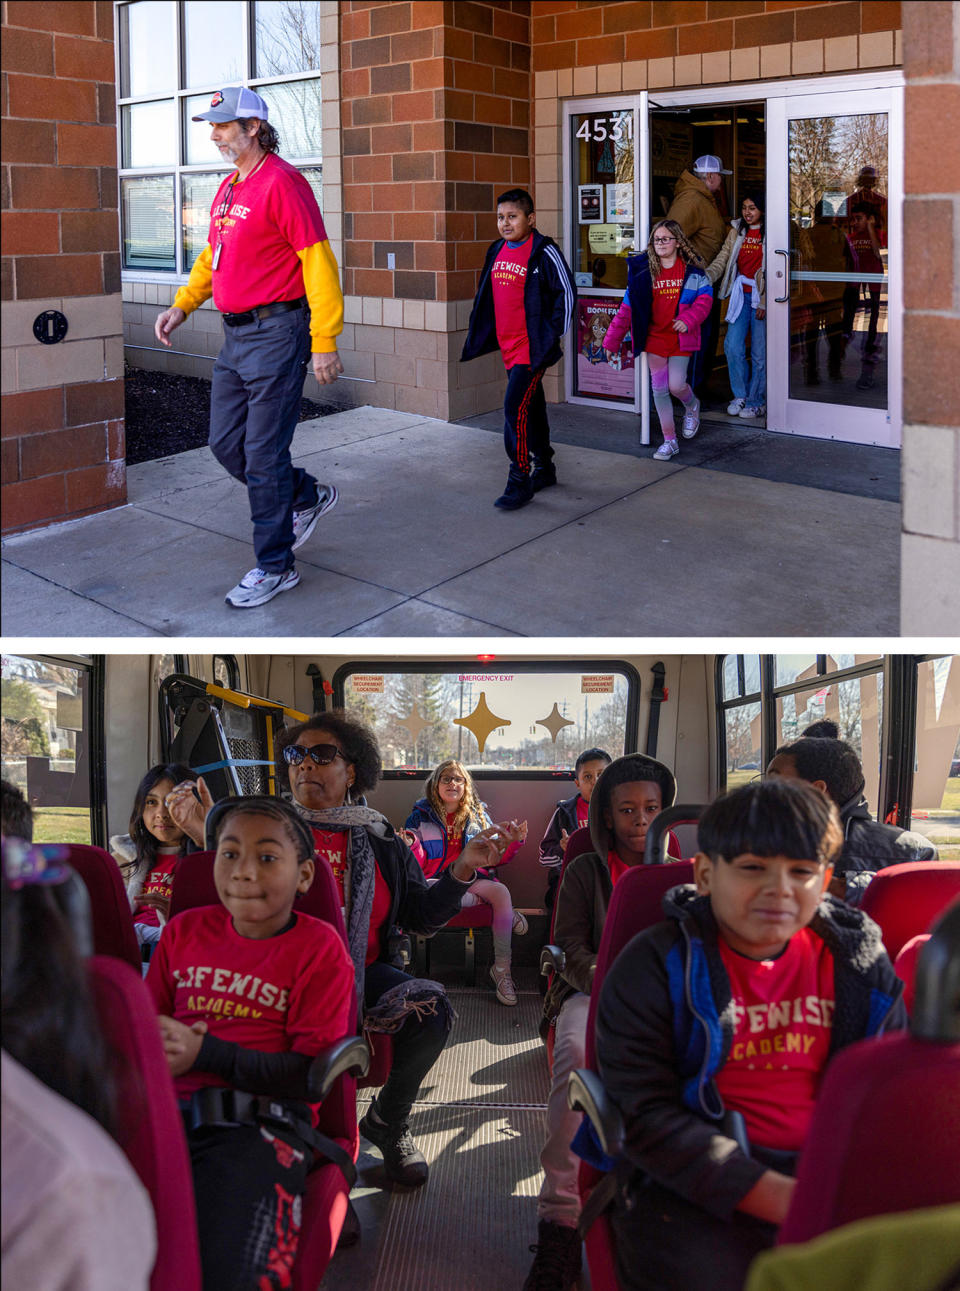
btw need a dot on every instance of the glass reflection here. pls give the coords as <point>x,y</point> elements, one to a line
<point>295,114</point>
<point>148,59</point>
<point>148,228</point>
<point>213,42</point>
<point>287,37</point>
<point>149,135</point>
<point>838,260</point>
<point>197,197</point>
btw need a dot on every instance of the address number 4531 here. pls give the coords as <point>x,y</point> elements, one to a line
<point>600,128</point>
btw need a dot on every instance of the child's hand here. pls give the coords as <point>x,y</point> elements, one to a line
<point>187,811</point>
<point>155,901</point>
<point>408,836</point>
<point>761,313</point>
<point>515,831</point>
<point>609,353</point>
<point>679,325</point>
<point>181,1043</point>
<point>564,839</point>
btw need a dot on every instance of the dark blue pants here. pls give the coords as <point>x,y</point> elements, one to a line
<point>254,402</point>
<point>526,431</point>
<point>416,1047</point>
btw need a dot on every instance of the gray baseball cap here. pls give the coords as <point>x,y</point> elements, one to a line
<point>234,102</point>
<point>709,165</point>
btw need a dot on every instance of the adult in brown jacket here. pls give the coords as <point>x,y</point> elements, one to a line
<point>695,209</point>
<point>629,794</point>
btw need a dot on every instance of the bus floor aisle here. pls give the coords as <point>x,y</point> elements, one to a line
<point>480,1123</point>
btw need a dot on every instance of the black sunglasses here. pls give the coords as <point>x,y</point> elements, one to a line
<point>322,754</point>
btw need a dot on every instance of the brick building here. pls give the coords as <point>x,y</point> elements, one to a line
<point>409,118</point>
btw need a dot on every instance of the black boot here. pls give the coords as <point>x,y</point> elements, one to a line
<point>402,1159</point>
<point>557,1263</point>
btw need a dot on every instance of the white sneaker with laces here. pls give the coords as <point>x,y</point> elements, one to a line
<point>669,448</point>
<point>691,421</point>
<point>753,411</point>
<point>257,587</point>
<point>304,522</point>
<point>734,406</point>
<point>506,991</point>
<point>520,924</point>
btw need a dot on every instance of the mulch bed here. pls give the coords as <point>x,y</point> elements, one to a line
<point>169,414</point>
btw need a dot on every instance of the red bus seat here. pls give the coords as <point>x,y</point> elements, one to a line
<point>906,899</point>
<point>887,1121</point>
<point>905,966</point>
<point>636,904</point>
<point>112,920</point>
<point>150,1129</point>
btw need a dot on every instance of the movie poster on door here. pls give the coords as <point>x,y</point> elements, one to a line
<point>611,378</point>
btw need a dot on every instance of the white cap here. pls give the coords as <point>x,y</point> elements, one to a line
<point>709,165</point>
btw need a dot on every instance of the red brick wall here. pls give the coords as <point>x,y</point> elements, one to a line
<point>63,442</point>
<point>435,115</point>
<point>580,33</point>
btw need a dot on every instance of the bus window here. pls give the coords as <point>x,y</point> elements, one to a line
<point>936,783</point>
<point>45,753</point>
<point>525,717</point>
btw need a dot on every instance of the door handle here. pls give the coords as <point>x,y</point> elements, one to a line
<point>780,300</point>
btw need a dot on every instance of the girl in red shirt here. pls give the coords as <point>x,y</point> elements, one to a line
<point>739,268</point>
<point>668,298</point>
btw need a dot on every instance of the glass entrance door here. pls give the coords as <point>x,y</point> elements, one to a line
<point>834,295</point>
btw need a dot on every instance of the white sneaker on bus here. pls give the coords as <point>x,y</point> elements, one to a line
<point>734,406</point>
<point>258,586</point>
<point>691,421</point>
<point>506,991</point>
<point>520,924</point>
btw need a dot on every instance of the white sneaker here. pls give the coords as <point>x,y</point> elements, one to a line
<point>304,522</point>
<point>520,924</point>
<point>257,587</point>
<point>691,421</point>
<point>751,411</point>
<point>669,448</point>
<point>506,991</point>
<point>734,406</point>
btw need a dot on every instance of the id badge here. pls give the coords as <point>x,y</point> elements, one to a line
<point>216,254</point>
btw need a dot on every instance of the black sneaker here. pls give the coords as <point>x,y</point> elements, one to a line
<point>516,495</point>
<point>557,1263</point>
<point>403,1161</point>
<point>543,477</point>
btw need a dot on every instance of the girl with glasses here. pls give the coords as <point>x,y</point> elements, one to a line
<point>668,298</point>
<point>441,824</point>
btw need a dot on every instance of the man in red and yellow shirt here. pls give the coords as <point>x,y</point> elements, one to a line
<point>270,270</point>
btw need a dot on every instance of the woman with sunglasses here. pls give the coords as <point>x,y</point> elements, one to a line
<point>441,824</point>
<point>330,761</point>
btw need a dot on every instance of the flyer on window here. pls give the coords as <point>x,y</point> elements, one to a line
<point>619,203</point>
<point>609,378</point>
<point>591,203</point>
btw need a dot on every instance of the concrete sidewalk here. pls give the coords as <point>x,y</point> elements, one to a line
<point>625,546</point>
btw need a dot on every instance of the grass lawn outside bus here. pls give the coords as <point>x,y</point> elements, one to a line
<point>61,825</point>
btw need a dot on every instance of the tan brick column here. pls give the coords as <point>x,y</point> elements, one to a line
<point>63,442</point>
<point>930,549</point>
<point>435,115</point>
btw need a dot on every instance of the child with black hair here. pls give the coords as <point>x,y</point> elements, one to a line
<point>630,794</point>
<point>571,814</point>
<point>832,766</point>
<point>74,1212</point>
<point>16,814</point>
<point>736,1003</point>
<point>523,307</point>
<point>148,856</point>
<point>248,993</point>
<point>740,269</point>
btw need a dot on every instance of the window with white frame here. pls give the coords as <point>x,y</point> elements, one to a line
<point>173,55</point>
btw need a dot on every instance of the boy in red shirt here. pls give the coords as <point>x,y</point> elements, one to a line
<point>248,993</point>
<point>523,306</point>
<point>735,1004</point>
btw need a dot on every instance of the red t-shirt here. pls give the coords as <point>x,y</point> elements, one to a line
<point>159,882</point>
<point>454,842</point>
<point>661,338</point>
<point>751,255</point>
<point>783,1018</point>
<point>331,846</point>
<point>583,812</point>
<point>289,992</point>
<point>507,279</point>
<point>865,257</point>
<point>260,224</point>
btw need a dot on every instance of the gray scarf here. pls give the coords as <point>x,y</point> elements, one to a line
<point>359,877</point>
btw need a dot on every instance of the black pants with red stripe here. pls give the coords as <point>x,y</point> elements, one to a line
<point>249,1184</point>
<point>526,431</point>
